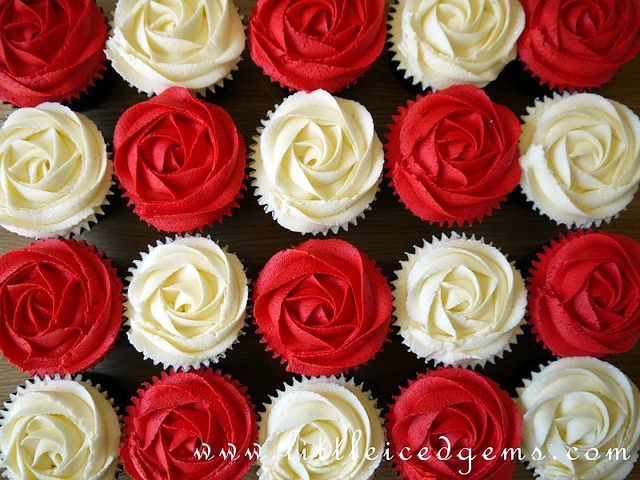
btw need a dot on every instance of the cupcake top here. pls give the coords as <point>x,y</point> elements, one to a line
<point>195,44</point>
<point>580,158</point>
<point>54,171</point>
<point>452,155</point>
<point>323,307</point>
<point>458,301</point>
<point>61,306</point>
<point>320,428</point>
<point>312,45</point>
<point>444,43</point>
<point>180,160</point>
<point>51,49</point>
<point>574,409</point>
<point>579,44</point>
<point>318,162</point>
<point>455,407</point>
<point>55,428</point>
<point>186,302</point>
<point>194,408</point>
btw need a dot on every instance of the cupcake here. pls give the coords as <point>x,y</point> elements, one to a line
<point>203,413</point>
<point>580,158</point>
<point>61,306</point>
<point>321,428</point>
<point>59,428</point>
<point>439,44</point>
<point>452,155</point>
<point>186,302</point>
<point>579,44</point>
<point>54,170</point>
<point>181,161</point>
<point>52,50</point>
<point>323,307</point>
<point>459,409</point>
<point>313,45</point>
<point>194,44</point>
<point>580,421</point>
<point>317,163</point>
<point>458,301</point>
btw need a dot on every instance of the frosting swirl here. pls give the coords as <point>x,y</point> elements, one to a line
<point>54,429</point>
<point>577,407</point>
<point>54,171</point>
<point>195,44</point>
<point>318,162</point>
<point>440,43</point>
<point>580,158</point>
<point>186,302</point>
<point>459,301</point>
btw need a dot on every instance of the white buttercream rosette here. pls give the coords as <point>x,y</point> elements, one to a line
<point>459,301</point>
<point>317,162</point>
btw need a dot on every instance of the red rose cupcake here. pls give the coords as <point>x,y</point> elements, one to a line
<point>584,294</point>
<point>581,43</point>
<point>61,307</point>
<point>452,155</point>
<point>308,45</point>
<point>180,423</point>
<point>180,160</point>
<point>52,50</point>
<point>323,307</point>
<point>459,409</point>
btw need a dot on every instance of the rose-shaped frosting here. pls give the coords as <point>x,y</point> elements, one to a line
<point>453,155</point>
<point>186,302</point>
<point>54,171</point>
<point>50,50</point>
<point>322,306</point>
<point>195,44</point>
<point>470,411</point>
<point>581,43</point>
<point>580,158</point>
<point>318,162</point>
<point>439,43</point>
<point>309,44</point>
<point>59,429</point>
<point>459,301</point>
<point>320,428</point>
<point>180,160</point>
<point>182,413</point>
<point>575,409</point>
<point>60,306</point>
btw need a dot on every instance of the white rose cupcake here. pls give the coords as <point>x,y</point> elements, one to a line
<point>458,301</point>
<point>576,412</point>
<point>439,43</point>
<point>59,428</point>
<point>195,44</point>
<point>186,303</point>
<point>55,174</point>
<point>580,158</point>
<point>321,428</point>
<point>317,162</point>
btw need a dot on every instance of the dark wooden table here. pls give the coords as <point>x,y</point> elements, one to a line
<point>386,234</point>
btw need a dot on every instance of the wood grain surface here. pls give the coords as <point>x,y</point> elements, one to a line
<point>386,234</point>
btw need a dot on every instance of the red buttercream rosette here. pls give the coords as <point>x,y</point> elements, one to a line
<point>61,307</point>
<point>181,413</point>
<point>323,307</point>
<point>310,44</point>
<point>452,155</point>
<point>469,410</point>
<point>50,50</point>
<point>579,44</point>
<point>584,294</point>
<point>180,160</point>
